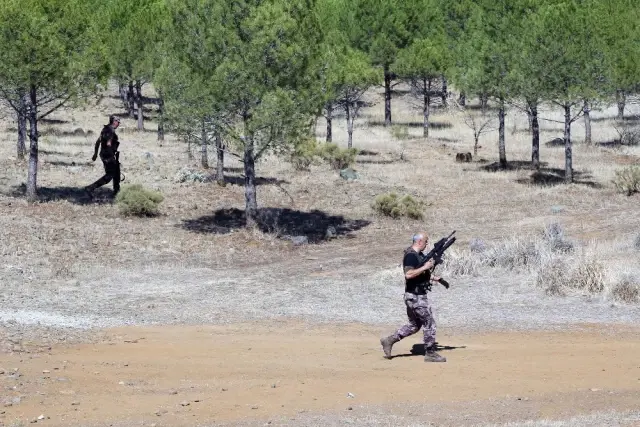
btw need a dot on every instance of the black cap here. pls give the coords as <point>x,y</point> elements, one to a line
<point>113,118</point>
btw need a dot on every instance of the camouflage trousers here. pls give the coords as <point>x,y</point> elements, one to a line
<point>420,316</point>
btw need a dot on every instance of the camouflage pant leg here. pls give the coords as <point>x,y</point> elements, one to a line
<point>420,315</point>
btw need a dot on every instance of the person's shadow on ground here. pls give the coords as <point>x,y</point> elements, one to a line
<point>419,350</point>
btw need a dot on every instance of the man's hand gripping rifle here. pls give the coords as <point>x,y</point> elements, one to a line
<point>438,252</point>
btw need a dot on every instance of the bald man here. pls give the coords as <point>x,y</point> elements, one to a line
<point>418,281</point>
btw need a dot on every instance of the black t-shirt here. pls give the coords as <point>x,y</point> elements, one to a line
<point>108,152</point>
<point>418,285</point>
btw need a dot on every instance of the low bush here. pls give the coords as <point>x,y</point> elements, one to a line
<point>134,200</point>
<point>626,290</point>
<point>393,206</point>
<point>304,154</point>
<point>627,180</point>
<point>338,158</point>
<point>554,238</point>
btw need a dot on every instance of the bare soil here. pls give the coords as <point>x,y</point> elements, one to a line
<point>180,376</point>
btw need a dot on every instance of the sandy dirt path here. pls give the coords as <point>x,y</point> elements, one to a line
<point>181,376</point>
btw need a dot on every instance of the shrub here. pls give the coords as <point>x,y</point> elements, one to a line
<point>400,132</point>
<point>477,245</point>
<point>589,276</point>
<point>188,175</point>
<point>134,200</point>
<point>461,264</point>
<point>552,277</point>
<point>628,135</point>
<point>626,290</point>
<point>391,205</point>
<point>513,254</point>
<point>553,236</point>
<point>304,154</point>
<point>627,180</point>
<point>338,158</point>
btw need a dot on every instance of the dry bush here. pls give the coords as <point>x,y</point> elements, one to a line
<point>461,263</point>
<point>554,238</point>
<point>627,180</point>
<point>134,200</point>
<point>589,276</point>
<point>391,205</point>
<point>627,135</point>
<point>552,277</point>
<point>514,253</point>
<point>627,290</point>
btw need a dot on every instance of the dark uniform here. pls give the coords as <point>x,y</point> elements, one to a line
<point>418,310</point>
<point>108,145</point>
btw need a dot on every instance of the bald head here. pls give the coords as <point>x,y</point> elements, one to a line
<point>420,241</point>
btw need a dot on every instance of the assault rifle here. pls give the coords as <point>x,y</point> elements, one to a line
<point>438,251</point>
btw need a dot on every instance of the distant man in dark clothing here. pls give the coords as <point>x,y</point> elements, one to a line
<point>418,281</point>
<point>108,145</point>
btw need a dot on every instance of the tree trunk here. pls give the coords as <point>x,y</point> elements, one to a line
<point>32,178</point>
<point>203,142</point>
<point>535,135</point>
<point>140,105</point>
<point>621,99</point>
<point>387,96</point>
<point>484,102</point>
<point>122,90</point>
<point>462,100</point>
<point>476,140</point>
<point>586,109</point>
<point>329,121</point>
<point>349,125</point>
<point>501,144</point>
<point>251,203</point>
<point>220,162</point>
<point>445,91</point>
<point>425,111</point>
<point>131,100</point>
<point>568,156</point>
<point>22,124</point>
<point>161,119</point>
<point>530,118</point>
<point>189,153</point>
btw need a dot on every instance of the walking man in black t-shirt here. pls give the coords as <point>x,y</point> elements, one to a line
<point>418,281</point>
<point>108,145</point>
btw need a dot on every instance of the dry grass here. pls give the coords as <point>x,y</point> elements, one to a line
<point>477,202</point>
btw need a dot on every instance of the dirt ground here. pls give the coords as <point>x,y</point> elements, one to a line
<point>179,376</point>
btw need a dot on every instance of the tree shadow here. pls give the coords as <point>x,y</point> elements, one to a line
<point>239,180</point>
<point>544,176</point>
<point>420,350</point>
<point>75,195</point>
<point>51,152</point>
<point>432,125</point>
<point>53,121</point>
<point>282,222</point>
<point>78,132</point>
<point>631,118</point>
<point>233,169</point>
<point>377,162</point>
<point>553,177</point>
<point>67,163</point>
<point>368,153</point>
